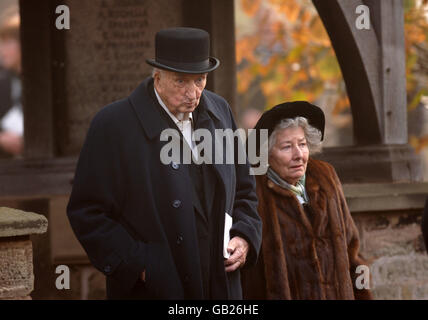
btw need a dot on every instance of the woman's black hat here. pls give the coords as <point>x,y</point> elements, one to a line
<point>183,50</point>
<point>312,113</point>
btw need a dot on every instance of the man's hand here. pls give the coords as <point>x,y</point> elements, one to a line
<point>238,248</point>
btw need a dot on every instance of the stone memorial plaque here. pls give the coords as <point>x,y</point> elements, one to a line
<point>106,48</point>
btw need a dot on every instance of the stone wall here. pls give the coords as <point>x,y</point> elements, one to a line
<point>393,244</point>
<point>106,51</point>
<point>16,252</point>
<point>388,217</point>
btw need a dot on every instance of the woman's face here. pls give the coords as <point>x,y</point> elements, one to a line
<point>289,155</point>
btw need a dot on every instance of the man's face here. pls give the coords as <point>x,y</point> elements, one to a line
<point>180,92</point>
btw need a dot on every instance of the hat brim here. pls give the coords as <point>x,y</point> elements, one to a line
<point>213,64</point>
<point>270,119</point>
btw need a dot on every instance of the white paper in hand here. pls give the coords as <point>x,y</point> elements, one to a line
<point>227,226</point>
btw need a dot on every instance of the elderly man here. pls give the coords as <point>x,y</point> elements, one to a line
<point>159,231</point>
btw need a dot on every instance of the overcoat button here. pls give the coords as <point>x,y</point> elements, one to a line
<point>176,203</point>
<point>175,166</point>
<point>179,239</point>
<point>107,269</point>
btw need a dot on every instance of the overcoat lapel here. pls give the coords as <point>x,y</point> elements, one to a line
<point>209,120</point>
<point>153,125</point>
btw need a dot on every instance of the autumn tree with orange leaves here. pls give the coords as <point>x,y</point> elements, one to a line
<point>284,53</point>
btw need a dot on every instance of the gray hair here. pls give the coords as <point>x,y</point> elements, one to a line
<point>312,134</point>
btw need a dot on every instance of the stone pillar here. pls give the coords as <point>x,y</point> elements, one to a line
<point>105,57</point>
<point>373,67</point>
<point>16,252</point>
<point>207,14</point>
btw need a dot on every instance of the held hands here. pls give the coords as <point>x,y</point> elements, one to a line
<point>238,248</point>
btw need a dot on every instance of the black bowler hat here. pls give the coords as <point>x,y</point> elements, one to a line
<point>270,119</point>
<point>183,50</point>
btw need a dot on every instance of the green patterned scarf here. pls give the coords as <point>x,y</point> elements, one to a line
<point>299,189</point>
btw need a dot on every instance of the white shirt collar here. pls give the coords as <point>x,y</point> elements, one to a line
<point>184,126</point>
<point>174,118</point>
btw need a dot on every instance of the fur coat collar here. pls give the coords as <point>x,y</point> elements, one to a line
<point>307,252</point>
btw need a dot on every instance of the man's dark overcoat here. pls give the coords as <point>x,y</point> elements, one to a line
<point>132,213</point>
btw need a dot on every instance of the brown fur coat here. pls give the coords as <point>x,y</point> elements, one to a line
<point>306,254</point>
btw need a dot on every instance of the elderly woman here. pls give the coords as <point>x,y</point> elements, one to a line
<point>310,247</point>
